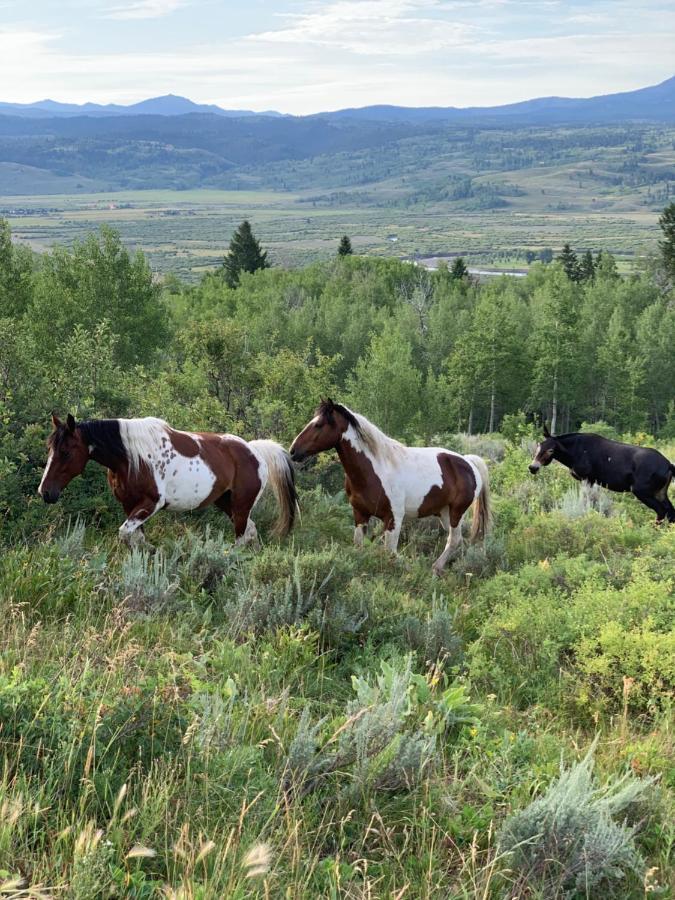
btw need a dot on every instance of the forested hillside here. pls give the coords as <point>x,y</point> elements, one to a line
<point>308,719</point>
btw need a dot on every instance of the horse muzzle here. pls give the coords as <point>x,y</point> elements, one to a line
<point>50,495</point>
<point>298,455</point>
<point>534,468</point>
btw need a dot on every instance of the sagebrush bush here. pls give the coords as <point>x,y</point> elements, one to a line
<point>205,558</point>
<point>386,741</point>
<point>146,579</point>
<point>573,839</point>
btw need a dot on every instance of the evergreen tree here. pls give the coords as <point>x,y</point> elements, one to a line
<point>587,267</point>
<point>244,255</point>
<point>345,248</point>
<point>667,245</point>
<point>459,271</point>
<point>570,263</point>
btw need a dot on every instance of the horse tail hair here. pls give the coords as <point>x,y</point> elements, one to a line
<point>281,478</point>
<point>482,509</point>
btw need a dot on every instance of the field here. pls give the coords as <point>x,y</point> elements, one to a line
<point>314,721</point>
<point>489,194</point>
<point>187,232</point>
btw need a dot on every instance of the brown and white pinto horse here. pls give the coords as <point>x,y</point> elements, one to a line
<point>152,466</point>
<point>390,481</point>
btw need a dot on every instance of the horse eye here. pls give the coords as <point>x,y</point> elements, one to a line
<point>318,425</point>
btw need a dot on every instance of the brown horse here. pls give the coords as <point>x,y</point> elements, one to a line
<point>390,481</point>
<point>152,466</point>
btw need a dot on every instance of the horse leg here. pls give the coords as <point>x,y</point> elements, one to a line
<point>392,531</point>
<point>361,520</point>
<point>131,530</point>
<point>662,495</point>
<point>649,500</point>
<point>452,543</point>
<point>241,502</point>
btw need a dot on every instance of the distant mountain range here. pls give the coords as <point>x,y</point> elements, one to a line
<point>168,105</point>
<point>650,104</point>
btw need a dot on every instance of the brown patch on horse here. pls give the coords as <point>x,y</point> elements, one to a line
<point>456,492</point>
<point>183,443</point>
<point>233,463</point>
<point>135,488</point>
<point>363,486</point>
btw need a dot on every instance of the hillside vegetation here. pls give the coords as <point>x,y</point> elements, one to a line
<point>311,720</point>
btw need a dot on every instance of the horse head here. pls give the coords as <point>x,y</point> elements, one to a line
<point>545,452</point>
<point>323,432</point>
<point>68,455</point>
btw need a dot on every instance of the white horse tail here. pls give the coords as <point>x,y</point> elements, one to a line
<point>282,481</point>
<point>482,511</point>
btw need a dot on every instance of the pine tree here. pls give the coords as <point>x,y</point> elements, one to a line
<point>345,248</point>
<point>667,245</point>
<point>587,267</point>
<point>244,255</point>
<point>459,270</point>
<point>570,263</point>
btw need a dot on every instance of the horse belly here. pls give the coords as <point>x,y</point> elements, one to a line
<point>189,482</point>
<point>418,479</point>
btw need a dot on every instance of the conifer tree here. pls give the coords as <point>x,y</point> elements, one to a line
<point>667,245</point>
<point>244,255</point>
<point>459,270</point>
<point>345,248</point>
<point>587,267</point>
<point>570,263</point>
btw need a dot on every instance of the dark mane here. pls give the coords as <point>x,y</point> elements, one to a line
<point>101,434</point>
<point>327,408</point>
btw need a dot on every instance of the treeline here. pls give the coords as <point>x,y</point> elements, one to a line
<point>89,330</point>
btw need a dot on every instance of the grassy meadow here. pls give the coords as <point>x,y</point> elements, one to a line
<point>488,194</point>
<point>187,232</point>
<point>312,720</point>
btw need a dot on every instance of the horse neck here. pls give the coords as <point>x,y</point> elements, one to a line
<point>104,455</point>
<point>354,460</point>
<point>562,453</point>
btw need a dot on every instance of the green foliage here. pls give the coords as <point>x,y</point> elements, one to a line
<point>570,263</point>
<point>337,721</point>
<point>667,245</point>
<point>243,255</point>
<point>570,841</point>
<point>345,246</point>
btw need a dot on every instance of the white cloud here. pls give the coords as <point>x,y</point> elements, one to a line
<point>374,27</point>
<point>144,9</point>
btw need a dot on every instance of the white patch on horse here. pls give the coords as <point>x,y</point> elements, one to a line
<point>46,471</point>
<point>184,481</point>
<point>142,439</point>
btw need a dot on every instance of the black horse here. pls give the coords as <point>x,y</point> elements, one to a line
<point>619,467</point>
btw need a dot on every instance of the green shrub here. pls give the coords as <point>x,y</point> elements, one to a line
<point>568,841</point>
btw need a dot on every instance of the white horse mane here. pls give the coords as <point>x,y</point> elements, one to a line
<point>141,438</point>
<point>373,439</point>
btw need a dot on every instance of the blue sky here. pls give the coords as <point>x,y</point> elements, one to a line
<point>303,56</point>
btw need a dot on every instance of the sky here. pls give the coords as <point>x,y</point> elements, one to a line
<point>304,56</point>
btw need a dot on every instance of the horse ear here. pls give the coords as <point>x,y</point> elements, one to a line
<point>547,433</point>
<point>329,403</point>
<point>56,422</point>
<point>70,422</point>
